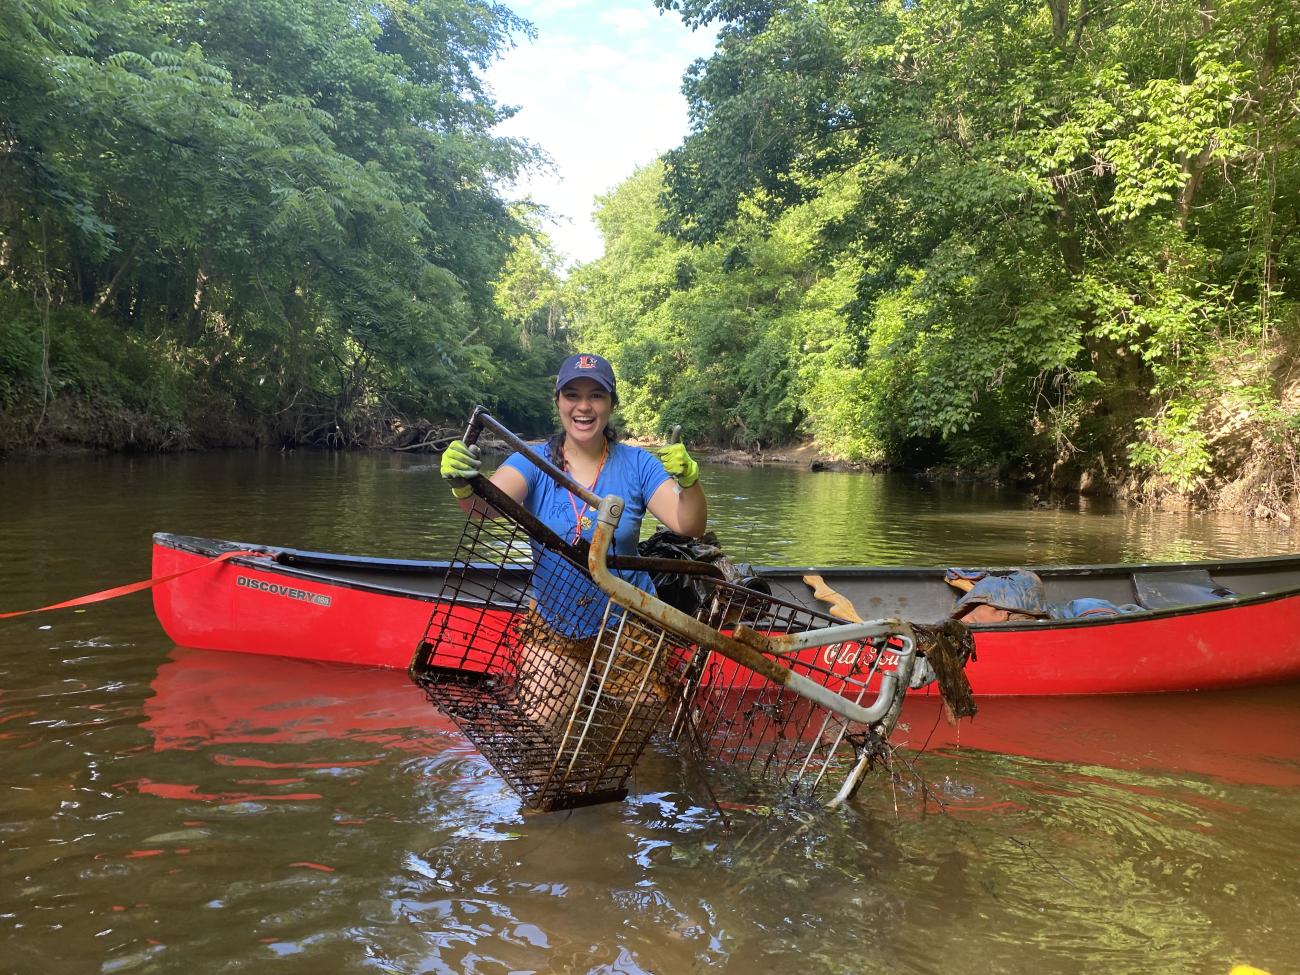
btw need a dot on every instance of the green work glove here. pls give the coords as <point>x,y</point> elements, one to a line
<point>679,464</point>
<point>460,463</point>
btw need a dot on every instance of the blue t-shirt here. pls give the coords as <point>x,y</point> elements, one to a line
<point>567,600</point>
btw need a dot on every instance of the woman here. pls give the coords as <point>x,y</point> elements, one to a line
<point>587,450</point>
<point>568,607</point>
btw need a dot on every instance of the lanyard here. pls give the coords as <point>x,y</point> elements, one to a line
<point>581,520</point>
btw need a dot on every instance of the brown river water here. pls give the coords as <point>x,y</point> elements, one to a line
<point>164,809</point>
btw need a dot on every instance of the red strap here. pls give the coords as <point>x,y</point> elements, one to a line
<point>99,597</point>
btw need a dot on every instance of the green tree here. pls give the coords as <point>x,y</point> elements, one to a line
<point>531,295</point>
<point>1048,228</point>
<point>289,208</point>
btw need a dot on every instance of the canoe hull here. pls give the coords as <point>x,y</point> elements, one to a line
<point>243,606</point>
<point>342,609</point>
<point>1192,651</point>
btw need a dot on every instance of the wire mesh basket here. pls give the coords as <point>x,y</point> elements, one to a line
<point>561,705</point>
<point>558,685</point>
<point>559,670</point>
<point>754,729</point>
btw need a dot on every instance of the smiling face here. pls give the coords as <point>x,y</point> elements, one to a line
<point>584,407</point>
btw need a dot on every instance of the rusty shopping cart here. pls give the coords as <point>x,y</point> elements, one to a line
<point>559,670</point>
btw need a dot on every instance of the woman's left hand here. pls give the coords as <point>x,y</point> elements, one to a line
<point>679,464</point>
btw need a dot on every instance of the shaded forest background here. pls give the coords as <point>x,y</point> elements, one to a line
<point>1054,241</point>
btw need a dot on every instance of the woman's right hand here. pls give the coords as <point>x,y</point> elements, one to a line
<point>460,463</point>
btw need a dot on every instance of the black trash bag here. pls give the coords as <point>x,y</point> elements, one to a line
<point>690,593</point>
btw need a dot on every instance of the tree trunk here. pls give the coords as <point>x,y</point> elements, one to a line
<point>200,289</point>
<point>107,293</point>
<point>1060,19</point>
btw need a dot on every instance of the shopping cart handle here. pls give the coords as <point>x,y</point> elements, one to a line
<point>750,653</point>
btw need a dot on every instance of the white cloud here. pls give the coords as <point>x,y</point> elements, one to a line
<point>627,21</point>
<point>600,92</point>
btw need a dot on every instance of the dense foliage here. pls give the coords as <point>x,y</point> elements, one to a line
<point>226,220</point>
<point>1041,237</point>
<point>1053,239</point>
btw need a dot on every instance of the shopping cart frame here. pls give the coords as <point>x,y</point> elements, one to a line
<point>762,653</point>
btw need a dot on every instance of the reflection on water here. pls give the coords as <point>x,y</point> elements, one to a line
<point>780,516</point>
<point>395,504</point>
<point>165,809</point>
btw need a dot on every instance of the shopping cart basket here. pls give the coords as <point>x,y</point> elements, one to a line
<point>559,670</point>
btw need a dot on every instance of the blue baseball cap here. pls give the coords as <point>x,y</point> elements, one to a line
<point>585,365</point>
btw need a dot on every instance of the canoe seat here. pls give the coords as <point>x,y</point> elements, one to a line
<point>1163,590</point>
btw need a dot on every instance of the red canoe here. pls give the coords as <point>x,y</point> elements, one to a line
<point>1208,625</point>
